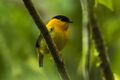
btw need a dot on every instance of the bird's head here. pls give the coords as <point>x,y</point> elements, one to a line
<point>60,21</point>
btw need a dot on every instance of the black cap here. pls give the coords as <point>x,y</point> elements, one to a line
<point>63,18</point>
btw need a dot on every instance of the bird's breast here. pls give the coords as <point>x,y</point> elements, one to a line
<point>60,38</point>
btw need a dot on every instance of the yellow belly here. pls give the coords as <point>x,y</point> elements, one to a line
<point>60,40</point>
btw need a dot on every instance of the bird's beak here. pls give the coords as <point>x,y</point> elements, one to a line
<point>70,21</point>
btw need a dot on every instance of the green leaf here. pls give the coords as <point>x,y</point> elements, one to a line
<point>106,3</point>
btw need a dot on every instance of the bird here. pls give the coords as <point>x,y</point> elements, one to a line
<point>58,27</point>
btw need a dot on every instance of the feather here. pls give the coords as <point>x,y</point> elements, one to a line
<point>40,55</point>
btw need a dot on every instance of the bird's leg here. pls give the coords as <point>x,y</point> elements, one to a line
<point>51,59</point>
<point>61,58</point>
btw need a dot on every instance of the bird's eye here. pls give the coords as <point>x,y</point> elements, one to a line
<point>51,29</point>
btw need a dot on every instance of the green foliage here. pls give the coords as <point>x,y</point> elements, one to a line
<point>18,34</point>
<point>107,3</point>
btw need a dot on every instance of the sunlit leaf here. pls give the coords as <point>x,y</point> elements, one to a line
<point>117,77</point>
<point>106,3</point>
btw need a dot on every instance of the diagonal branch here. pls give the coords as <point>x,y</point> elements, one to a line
<point>103,54</point>
<point>100,44</point>
<point>46,35</point>
<point>87,7</point>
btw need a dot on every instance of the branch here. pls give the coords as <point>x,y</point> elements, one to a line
<point>86,39</point>
<point>100,44</point>
<point>46,35</point>
<point>88,10</point>
<point>103,54</point>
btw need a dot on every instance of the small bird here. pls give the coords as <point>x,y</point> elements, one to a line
<point>58,29</point>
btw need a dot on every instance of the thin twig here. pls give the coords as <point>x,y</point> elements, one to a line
<point>46,35</point>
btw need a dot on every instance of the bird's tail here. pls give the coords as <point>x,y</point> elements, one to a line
<point>40,57</point>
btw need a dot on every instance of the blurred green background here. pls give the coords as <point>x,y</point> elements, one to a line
<point>18,35</point>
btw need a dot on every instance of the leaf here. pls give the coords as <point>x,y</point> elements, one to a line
<point>106,3</point>
<point>117,77</point>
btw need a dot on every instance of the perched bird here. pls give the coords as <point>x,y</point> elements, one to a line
<point>58,29</point>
